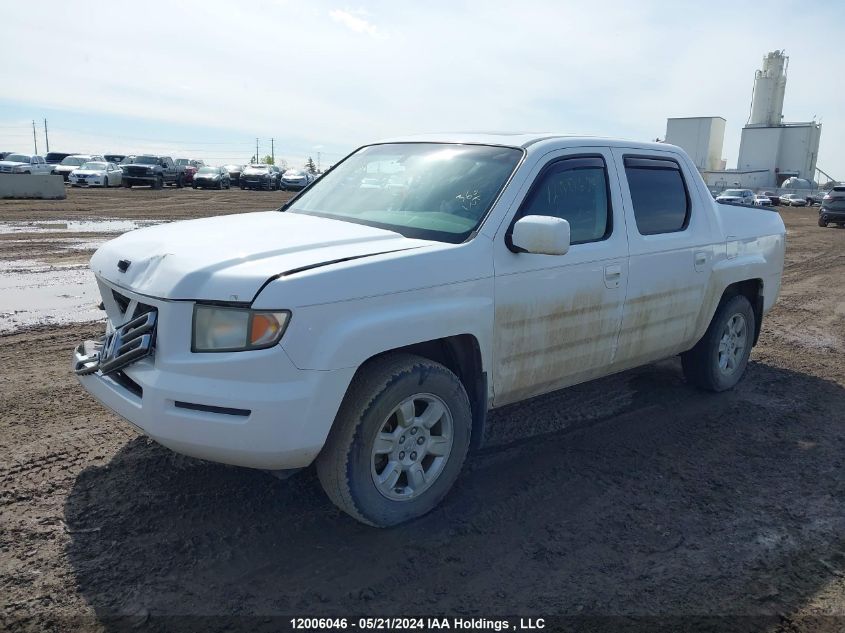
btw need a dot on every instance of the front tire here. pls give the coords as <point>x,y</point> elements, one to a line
<point>399,440</point>
<point>822,222</point>
<point>719,359</point>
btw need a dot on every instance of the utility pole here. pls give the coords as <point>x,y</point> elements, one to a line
<point>257,160</point>
<point>319,171</point>
<point>46,138</point>
<point>34,139</point>
<point>273,150</point>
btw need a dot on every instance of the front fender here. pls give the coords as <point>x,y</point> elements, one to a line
<point>346,334</point>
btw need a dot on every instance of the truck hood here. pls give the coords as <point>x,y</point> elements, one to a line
<point>11,163</point>
<point>230,258</point>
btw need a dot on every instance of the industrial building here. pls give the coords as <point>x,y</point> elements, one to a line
<point>771,150</point>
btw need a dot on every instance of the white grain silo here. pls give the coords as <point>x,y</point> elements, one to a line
<point>769,90</point>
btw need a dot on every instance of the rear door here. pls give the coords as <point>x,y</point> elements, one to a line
<point>671,255</point>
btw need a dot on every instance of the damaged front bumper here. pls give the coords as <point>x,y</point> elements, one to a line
<point>254,408</point>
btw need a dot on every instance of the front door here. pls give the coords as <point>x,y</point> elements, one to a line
<point>557,317</point>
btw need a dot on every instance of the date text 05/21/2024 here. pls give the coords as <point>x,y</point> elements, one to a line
<point>417,624</point>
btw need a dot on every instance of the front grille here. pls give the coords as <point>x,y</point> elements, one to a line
<point>121,300</point>
<point>123,303</point>
<point>128,343</point>
<point>137,171</point>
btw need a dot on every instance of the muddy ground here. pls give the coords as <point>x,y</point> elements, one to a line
<point>631,497</point>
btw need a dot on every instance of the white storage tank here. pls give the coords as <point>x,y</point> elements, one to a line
<point>769,90</point>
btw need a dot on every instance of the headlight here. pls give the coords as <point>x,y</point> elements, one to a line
<point>218,329</point>
<point>19,169</point>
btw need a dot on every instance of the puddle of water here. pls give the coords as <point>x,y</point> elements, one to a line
<point>34,293</point>
<point>76,226</point>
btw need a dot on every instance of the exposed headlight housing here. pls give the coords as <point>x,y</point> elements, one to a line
<point>225,329</point>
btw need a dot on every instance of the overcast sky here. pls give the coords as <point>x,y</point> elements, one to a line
<point>204,79</point>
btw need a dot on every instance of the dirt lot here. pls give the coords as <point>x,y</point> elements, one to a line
<point>635,496</point>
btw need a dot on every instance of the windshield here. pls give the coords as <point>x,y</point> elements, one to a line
<point>208,170</point>
<point>733,192</point>
<point>182,161</point>
<point>147,160</point>
<point>447,188</point>
<point>73,160</point>
<point>259,167</point>
<point>17,158</point>
<point>293,173</point>
<point>93,165</point>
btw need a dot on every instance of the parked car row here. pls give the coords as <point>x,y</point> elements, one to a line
<point>109,170</point>
<point>767,198</point>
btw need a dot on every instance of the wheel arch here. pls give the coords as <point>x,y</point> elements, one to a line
<point>461,354</point>
<point>751,289</point>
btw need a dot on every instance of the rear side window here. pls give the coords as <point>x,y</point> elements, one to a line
<point>576,190</point>
<point>659,195</point>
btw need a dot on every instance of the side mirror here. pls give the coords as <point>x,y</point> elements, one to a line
<point>540,234</point>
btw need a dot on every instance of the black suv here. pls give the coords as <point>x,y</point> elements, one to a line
<point>260,177</point>
<point>832,210</point>
<point>54,158</point>
<point>155,171</point>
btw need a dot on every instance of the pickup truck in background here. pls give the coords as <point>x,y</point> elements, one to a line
<point>369,329</point>
<point>14,163</point>
<point>155,171</point>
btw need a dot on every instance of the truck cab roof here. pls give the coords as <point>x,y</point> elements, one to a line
<point>525,140</point>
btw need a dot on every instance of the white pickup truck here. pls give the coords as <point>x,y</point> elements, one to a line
<point>25,164</point>
<point>371,323</point>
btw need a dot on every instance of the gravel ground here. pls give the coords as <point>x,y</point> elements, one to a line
<point>631,497</point>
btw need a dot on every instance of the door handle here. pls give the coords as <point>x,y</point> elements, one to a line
<point>612,275</point>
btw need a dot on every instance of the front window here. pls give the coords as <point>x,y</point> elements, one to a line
<point>208,170</point>
<point>734,193</point>
<point>576,190</point>
<point>183,162</point>
<point>446,189</point>
<point>73,161</point>
<point>147,160</point>
<point>17,158</point>
<point>94,166</point>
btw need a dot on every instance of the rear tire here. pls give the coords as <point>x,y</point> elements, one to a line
<point>719,359</point>
<point>402,414</point>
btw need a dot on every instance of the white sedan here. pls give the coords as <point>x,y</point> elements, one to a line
<point>96,174</point>
<point>762,201</point>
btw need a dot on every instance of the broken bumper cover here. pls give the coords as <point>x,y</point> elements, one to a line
<point>253,409</point>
